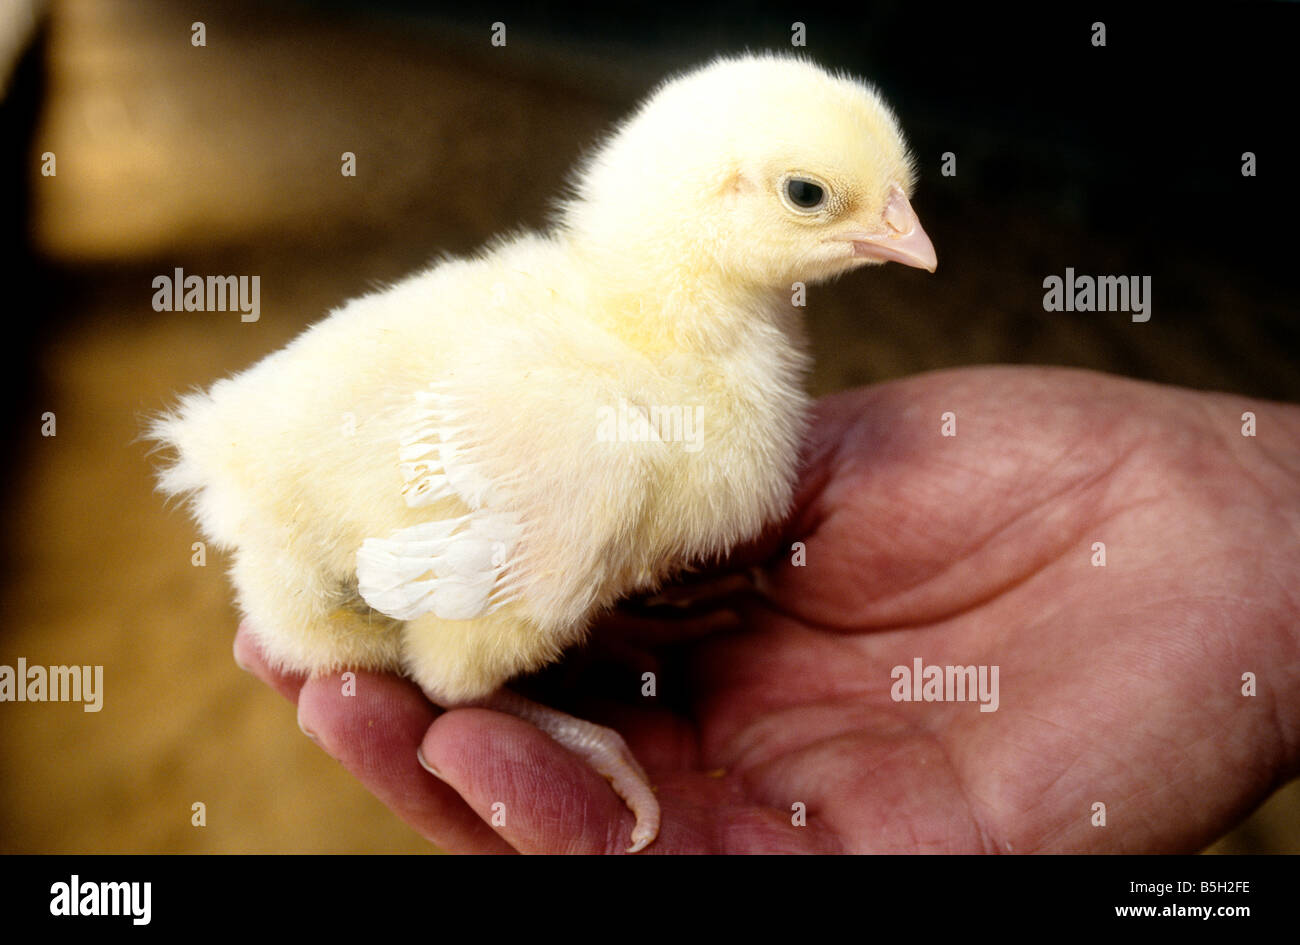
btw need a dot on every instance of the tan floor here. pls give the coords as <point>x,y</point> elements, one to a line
<point>225,160</point>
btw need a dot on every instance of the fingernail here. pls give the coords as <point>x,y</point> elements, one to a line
<point>305,730</point>
<point>419,756</point>
<point>238,662</point>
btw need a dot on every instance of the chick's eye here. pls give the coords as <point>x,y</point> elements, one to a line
<point>804,193</point>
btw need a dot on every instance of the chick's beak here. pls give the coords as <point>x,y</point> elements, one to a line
<point>899,237</point>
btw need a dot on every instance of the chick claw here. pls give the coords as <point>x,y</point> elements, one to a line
<point>602,748</point>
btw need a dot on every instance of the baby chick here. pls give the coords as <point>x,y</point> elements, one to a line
<point>452,476</point>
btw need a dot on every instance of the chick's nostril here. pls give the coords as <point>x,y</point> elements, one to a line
<point>899,215</point>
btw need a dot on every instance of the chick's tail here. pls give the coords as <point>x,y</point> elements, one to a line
<point>197,464</point>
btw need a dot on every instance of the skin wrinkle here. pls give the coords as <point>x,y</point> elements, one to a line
<point>913,840</point>
<point>1160,606</point>
<point>1162,790</point>
<point>750,771</point>
<point>1157,792</point>
<point>1073,733</point>
<point>754,776</point>
<point>734,758</point>
<point>1065,826</point>
<point>1041,794</point>
<point>1287,590</point>
<point>524,756</point>
<point>987,843</point>
<point>994,592</point>
<point>615,828</point>
<point>928,620</point>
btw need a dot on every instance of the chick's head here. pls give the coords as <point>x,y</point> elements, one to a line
<point>762,169</point>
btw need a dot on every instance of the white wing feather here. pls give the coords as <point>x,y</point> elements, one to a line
<point>449,567</point>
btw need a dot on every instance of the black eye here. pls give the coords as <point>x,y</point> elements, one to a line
<point>804,193</point>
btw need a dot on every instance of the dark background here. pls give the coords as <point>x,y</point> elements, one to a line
<point>225,159</point>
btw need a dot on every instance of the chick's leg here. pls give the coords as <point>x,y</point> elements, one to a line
<point>447,657</point>
<point>602,748</point>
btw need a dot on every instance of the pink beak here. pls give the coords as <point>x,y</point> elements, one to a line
<point>900,239</point>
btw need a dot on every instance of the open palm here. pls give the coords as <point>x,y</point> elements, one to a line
<point>773,727</point>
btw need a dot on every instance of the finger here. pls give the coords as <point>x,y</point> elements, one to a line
<point>376,734</point>
<point>537,795</point>
<point>250,658</point>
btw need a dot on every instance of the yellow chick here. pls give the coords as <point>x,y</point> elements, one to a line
<point>450,477</point>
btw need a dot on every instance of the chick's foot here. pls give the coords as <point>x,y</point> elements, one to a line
<point>601,747</point>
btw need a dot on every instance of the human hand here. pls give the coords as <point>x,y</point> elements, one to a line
<point>1119,684</point>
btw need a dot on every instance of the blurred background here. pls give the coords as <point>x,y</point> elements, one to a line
<point>225,158</point>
